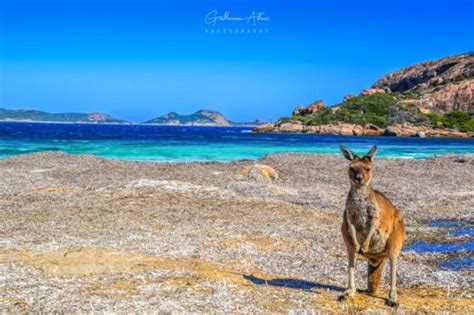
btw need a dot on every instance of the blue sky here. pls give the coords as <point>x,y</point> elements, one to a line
<point>139,59</point>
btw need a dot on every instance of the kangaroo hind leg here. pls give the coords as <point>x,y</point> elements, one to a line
<point>374,275</point>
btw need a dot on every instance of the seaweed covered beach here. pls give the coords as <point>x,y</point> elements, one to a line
<point>79,233</point>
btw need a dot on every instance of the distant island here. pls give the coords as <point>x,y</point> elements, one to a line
<point>432,99</point>
<point>31,115</point>
<point>203,117</point>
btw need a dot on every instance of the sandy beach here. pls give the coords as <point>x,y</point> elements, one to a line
<point>80,233</point>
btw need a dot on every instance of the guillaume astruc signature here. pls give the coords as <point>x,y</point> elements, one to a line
<point>213,17</point>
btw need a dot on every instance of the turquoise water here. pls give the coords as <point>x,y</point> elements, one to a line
<point>177,143</point>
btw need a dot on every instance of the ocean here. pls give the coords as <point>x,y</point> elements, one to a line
<point>187,143</point>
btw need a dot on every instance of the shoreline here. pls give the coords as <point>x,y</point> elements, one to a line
<point>236,160</point>
<point>126,235</point>
<point>347,129</point>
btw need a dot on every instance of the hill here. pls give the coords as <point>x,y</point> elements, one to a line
<point>40,116</point>
<point>202,117</point>
<point>434,98</point>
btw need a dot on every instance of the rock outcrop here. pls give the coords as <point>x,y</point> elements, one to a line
<point>310,109</point>
<point>430,73</point>
<point>314,107</point>
<point>391,132</point>
<point>444,84</point>
<point>298,110</point>
<point>348,97</point>
<point>371,91</point>
<point>459,96</point>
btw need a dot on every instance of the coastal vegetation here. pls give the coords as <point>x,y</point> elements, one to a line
<point>382,110</point>
<point>456,119</point>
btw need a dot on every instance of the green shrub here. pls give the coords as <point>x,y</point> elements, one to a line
<point>285,119</point>
<point>435,118</point>
<point>456,119</point>
<point>459,78</point>
<point>407,114</point>
<point>382,110</point>
<point>359,110</point>
<point>321,117</point>
<point>297,117</point>
<point>459,120</point>
<point>378,104</point>
<point>409,95</point>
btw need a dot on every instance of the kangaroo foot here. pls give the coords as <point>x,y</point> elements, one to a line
<point>348,294</point>
<point>392,302</point>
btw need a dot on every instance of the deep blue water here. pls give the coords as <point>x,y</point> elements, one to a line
<point>178,143</point>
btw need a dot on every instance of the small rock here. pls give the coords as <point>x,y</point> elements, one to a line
<point>371,126</point>
<point>387,89</point>
<point>314,107</point>
<point>358,130</point>
<point>348,97</point>
<point>391,132</point>
<point>298,110</point>
<point>419,134</point>
<point>372,91</point>
<point>423,86</point>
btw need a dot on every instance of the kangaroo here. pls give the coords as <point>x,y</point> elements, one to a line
<point>372,227</point>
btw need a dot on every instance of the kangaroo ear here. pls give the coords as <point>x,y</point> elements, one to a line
<point>371,153</point>
<point>347,153</point>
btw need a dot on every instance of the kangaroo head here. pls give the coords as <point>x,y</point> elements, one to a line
<point>360,169</point>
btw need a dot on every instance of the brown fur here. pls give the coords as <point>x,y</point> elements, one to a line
<point>372,226</point>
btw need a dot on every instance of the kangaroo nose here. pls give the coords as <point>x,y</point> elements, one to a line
<point>359,177</point>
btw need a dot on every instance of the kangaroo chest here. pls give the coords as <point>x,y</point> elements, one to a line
<point>361,211</point>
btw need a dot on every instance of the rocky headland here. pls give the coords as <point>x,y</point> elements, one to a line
<point>430,99</point>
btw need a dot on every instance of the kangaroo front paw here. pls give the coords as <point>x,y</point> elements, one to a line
<point>357,248</point>
<point>364,248</point>
<point>348,294</point>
